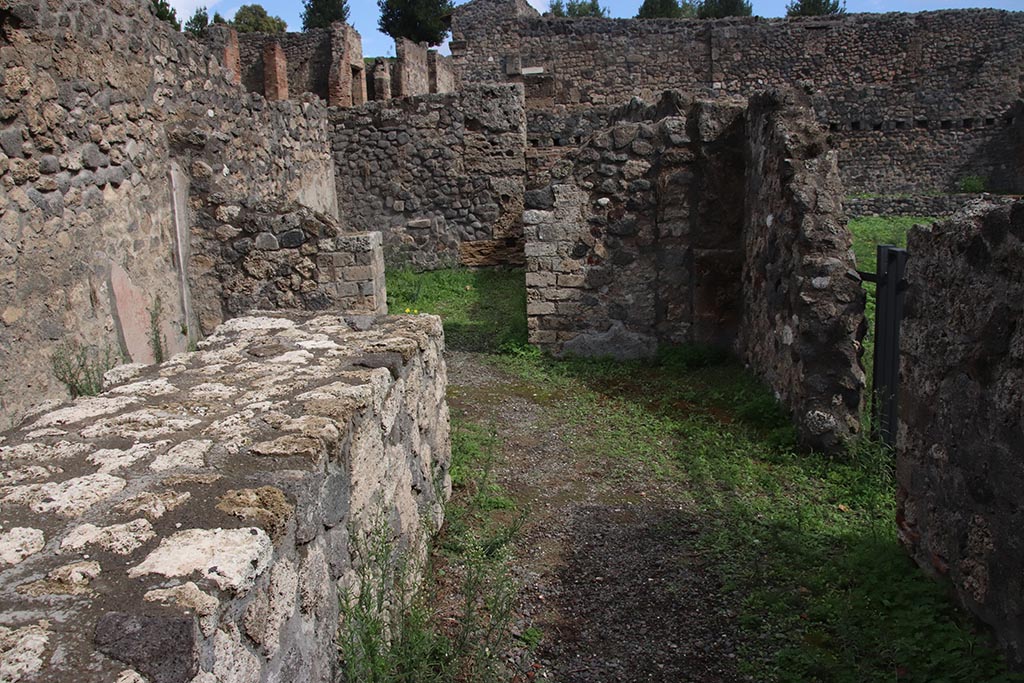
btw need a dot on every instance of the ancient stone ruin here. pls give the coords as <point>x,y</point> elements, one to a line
<point>224,207</point>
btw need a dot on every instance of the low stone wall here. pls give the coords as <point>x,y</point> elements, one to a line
<point>199,521</point>
<point>907,205</point>
<point>271,257</point>
<point>803,305</point>
<point>441,176</point>
<point>960,442</point>
<point>706,222</point>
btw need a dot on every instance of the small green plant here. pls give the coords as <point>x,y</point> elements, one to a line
<point>972,184</point>
<point>157,340</point>
<point>80,367</point>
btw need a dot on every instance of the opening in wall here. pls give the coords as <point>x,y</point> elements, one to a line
<point>968,123</point>
<point>854,125</point>
<point>358,82</point>
<point>946,125</point>
<point>900,125</point>
<point>921,123</point>
<point>990,121</point>
<point>876,126</point>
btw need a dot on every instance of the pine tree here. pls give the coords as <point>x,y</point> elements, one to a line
<point>577,8</point>
<point>666,9</point>
<point>164,12</point>
<point>199,21</point>
<point>322,13</point>
<point>421,21</point>
<point>218,19</point>
<point>815,8</point>
<point>254,19</point>
<point>718,9</point>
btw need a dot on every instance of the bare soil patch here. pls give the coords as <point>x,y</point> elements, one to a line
<point>609,572</point>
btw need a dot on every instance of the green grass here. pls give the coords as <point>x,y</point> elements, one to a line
<point>805,544</point>
<point>483,310</point>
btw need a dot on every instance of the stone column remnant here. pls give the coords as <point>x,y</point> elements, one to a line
<point>275,72</point>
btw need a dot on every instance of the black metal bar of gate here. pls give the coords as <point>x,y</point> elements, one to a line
<point>889,292</point>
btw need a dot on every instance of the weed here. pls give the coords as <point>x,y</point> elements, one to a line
<point>392,629</point>
<point>971,184</point>
<point>157,340</point>
<point>81,368</point>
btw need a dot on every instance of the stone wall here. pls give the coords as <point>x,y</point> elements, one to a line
<point>441,72</point>
<point>440,175</point>
<point>960,442</point>
<point>907,205</point>
<point>307,55</point>
<point>326,62</point>
<point>270,257</point>
<point>201,520</point>
<point>803,305</point>
<point>412,75</point>
<point>94,208</point>
<point>917,101</point>
<point>705,222</point>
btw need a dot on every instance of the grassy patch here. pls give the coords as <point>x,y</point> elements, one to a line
<point>483,310</point>
<point>805,544</point>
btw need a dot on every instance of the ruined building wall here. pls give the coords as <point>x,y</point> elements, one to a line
<point>697,222</point>
<point>803,305</point>
<point>960,444</point>
<point>308,58</point>
<point>202,520</point>
<point>440,175</point>
<point>94,207</point>
<point>904,93</point>
<point>412,75</point>
<point>326,62</point>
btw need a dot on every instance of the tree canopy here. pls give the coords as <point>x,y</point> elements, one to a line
<point>199,20</point>
<point>322,13</point>
<point>254,19</point>
<point>718,9</point>
<point>421,21</point>
<point>667,9</point>
<point>164,12</point>
<point>577,8</point>
<point>815,8</point>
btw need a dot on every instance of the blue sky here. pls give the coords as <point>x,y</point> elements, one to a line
<point>363,14</point>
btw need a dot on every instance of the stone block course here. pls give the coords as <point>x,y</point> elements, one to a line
<point>181,526</point>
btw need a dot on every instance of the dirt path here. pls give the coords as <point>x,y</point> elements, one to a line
<point>608,567</point>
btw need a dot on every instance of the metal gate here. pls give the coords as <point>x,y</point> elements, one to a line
<point>889,291</point>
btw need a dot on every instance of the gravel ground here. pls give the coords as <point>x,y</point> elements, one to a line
<point>608,568</point>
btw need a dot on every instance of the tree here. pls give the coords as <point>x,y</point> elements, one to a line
<point>577,8</point>
<point>199,21</point>
<point>815,8</point>
<point>717,9</point>
<point>164,12</point>
<point>322,13</point>
<point>667,9</point>
<point>254,19</point>
<point>421,21</point>
<point>218,19</point>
